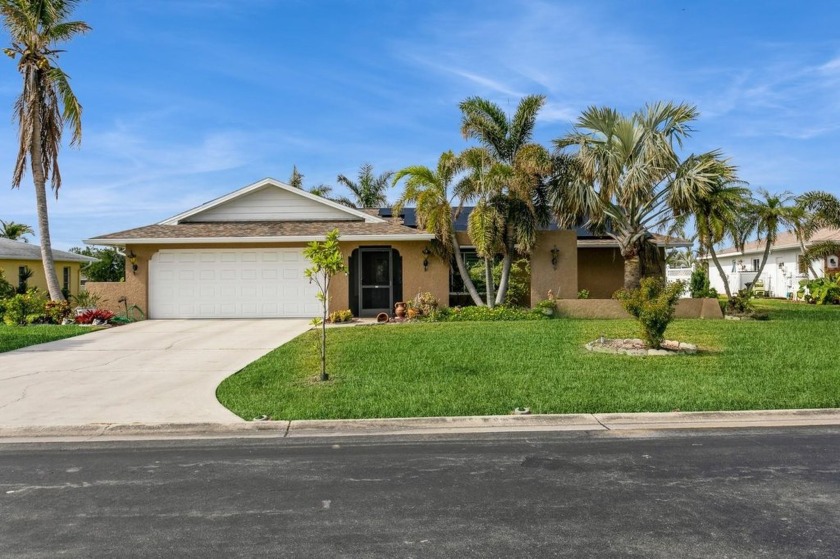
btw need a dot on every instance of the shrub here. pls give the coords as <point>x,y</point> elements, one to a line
<point>653,305</point>
<point>821,291</point>
<point>340,316</point>
<point>87,300</point>
<point>547,306</point>
<point>6,289</point>
<point>583,294</point>
<point>56,311</point>
<point>740,304</point>
<point>424,303</point>
<point>23,280</point>
<point>485,314</point>
<point>88,317</point>
<point>698,284</point>
<point>24,308</point>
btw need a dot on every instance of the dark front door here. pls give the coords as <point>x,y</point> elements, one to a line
<point>376,274</point>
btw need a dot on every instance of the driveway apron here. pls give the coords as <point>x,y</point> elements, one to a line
<point>155,371</point>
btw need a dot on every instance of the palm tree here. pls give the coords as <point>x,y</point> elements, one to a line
<point>429,190</point>
<point>322,190</point>
<point>46,103</point>
<point>630,181</point>
<point>369,189</point>
<point>296,178</point>
<point>15,231</point>
<point>485,223</point>
<point>716,213</point>
<point>816,209</point>
<point>508,174</point>
<point>768,216</point>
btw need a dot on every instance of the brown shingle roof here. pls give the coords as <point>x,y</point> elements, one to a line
<point>257,229</point>
<point>785,240</point>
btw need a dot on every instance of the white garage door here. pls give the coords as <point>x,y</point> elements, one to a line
<point>231,283</point>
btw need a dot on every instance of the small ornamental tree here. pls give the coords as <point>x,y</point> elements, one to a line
<point>653,305</point>
<point>327,261</point>
<point>699,285</point>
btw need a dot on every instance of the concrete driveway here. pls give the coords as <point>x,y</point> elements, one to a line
<point>155,371</point>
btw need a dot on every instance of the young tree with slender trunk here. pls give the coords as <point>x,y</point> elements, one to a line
<point>327,261</point>
<point>46,104</point>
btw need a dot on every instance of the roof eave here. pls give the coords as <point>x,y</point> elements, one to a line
<point>244,240</point>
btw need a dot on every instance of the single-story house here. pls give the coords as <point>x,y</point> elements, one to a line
<point>21,265</point>
<point>783,271</point>
<point>241,256</point>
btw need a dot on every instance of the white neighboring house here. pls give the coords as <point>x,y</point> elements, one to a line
<point>781,274</point>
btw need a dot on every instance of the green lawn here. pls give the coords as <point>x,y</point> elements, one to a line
<point>485,368</point>
<point>16,337</point>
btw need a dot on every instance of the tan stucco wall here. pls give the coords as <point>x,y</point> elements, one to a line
<point>563,281</point>
<point>109,293</point>
<point>38,279</point>
<point>435,280</point>
<point>592,269</point>
<point>611,308</point>
<point>600,271</point>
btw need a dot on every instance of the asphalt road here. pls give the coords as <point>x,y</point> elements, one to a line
<point>758,493</point>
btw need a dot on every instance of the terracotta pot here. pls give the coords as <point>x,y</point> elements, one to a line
<point>399,309</point>
<point>382,317</point>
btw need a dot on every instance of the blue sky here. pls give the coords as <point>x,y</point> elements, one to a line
<point>186,100</point>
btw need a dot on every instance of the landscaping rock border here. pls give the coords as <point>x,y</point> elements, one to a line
<point>637,347</point>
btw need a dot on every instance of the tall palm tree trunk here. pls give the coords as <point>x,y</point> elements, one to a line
<point>723,276</point>
<point>760,268</point>
<point>488,279</point>
<point>632,271</point>
<point>462,269</point>
<point>40,183</point>
<point>504,281</point>
<point>809,261</point>
<point>632,266</point>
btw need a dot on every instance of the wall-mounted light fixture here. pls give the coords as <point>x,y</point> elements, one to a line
<point>426,253</point>
<point>132,258</point>
<point>555,255</point>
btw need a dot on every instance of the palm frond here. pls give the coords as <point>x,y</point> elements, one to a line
<point>821,250</point>
<point>521,127</point>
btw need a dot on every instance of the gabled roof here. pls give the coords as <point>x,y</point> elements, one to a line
<point>194,213</point>
<point>261,232</point>
<point>267,211</point>
<point>16,250</point>
<point>784,240</point>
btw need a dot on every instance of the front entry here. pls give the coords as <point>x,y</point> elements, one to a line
<point>375,280</point>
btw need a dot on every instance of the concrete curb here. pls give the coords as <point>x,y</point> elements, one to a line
<point>425,425</point>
